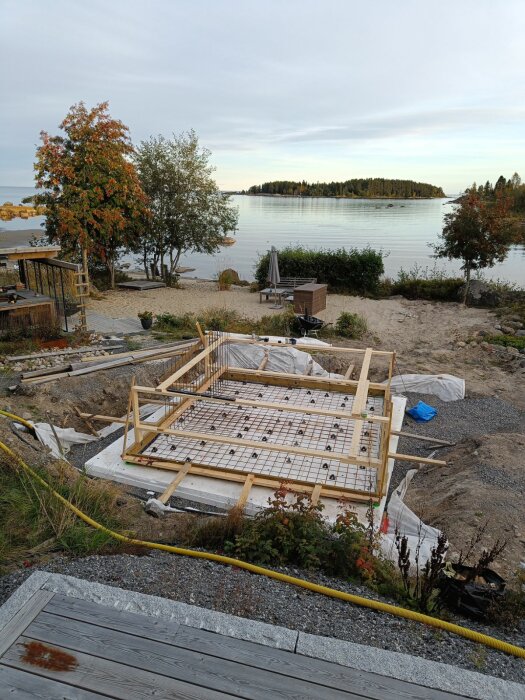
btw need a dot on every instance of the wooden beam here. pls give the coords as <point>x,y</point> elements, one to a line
<point>245,491</point>
<point>423,438</point>
<point>311,348</point>
<point>266,446</point>
<point>414,458</point>
<point>259,403</point>
<point>104,419</point>
<point>264,361</point>
<point>85,420</point>
<point>168,493</point>
<point>265,481</point>
<point>300,380</point>
<point>361,394</point>
<point>350,369</point>
<point>316,493</point>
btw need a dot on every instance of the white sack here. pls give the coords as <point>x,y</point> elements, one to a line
<point>445,386</point>
<point>67,437</point>
<point>406,522</point>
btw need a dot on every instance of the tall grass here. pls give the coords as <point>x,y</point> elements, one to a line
<point>32,519</point>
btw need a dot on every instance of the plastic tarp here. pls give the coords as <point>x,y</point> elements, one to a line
<point>67,437</point>
<point>405,522</point>
<point>445,386</point>
<point>287,359</point>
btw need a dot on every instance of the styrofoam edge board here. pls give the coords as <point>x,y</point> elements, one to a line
<point>108,464</point>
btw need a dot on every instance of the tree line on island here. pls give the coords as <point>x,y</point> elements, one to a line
<point>370,188</point>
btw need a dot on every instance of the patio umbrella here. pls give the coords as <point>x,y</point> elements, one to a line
<point>273,275</point>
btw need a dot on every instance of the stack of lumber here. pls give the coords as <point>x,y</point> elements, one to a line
<point>88,365</point>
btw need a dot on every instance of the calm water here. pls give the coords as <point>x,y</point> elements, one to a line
<point>402,231</point>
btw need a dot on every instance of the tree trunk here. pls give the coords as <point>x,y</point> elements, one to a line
<point>467,284</point>
<point>111,266</point>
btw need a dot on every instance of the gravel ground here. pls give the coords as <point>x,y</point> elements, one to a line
<point>237,592</point>
<point>455,421</point>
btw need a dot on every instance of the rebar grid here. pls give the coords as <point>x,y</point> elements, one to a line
<point>274,426</point>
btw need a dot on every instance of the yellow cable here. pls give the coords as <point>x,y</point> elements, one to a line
<point>316,588</point>
<point>22,421</point>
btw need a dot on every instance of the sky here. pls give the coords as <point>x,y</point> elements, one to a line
<point>315,90</point>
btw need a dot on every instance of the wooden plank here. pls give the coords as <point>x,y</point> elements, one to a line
<point>350,369</point>
<point>414,458</point>
<point>342,386</point>
<point>104,419</point>
<point>264,361</point>
<point>167,494</point>
<point>371,462</point>
<point>258,403</point>
<point>239,476</point>
<point>115,680</point>
<point>422,438</point>
<point>177,663</point>
<point>44,372</point>
<point>245,491</point>
<point>240,651</point>
<point>20,620</point>
<point>316,493</point>
<point>20,685</point>
<point>313,348</point>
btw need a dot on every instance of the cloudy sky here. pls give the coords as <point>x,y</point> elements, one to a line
<point>288,89</point>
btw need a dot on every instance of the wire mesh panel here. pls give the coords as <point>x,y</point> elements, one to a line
<point>275,427</point>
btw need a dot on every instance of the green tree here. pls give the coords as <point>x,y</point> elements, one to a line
<point>93,199</point>
<point>478,233</point>
<point>188,211</point>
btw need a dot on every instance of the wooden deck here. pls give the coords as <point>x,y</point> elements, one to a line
<point>63,647</point>
<point>140,285</point>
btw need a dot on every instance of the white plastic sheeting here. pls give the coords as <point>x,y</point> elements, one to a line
<point>405,522</point>
<point>287,359</point>
<point>67,437</point>
<point>445,386</point>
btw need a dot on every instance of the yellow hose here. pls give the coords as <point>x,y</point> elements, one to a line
<point>316,588</point>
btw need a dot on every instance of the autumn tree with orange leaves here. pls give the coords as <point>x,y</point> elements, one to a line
<point>95,206</point>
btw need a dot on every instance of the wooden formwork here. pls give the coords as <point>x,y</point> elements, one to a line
<point>324,436</point>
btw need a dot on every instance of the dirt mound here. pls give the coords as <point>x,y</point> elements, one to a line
<point>483,482</point>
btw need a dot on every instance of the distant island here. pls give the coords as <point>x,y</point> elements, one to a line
<point>368,188</point>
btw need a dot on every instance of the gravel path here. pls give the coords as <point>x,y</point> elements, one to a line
<point>237,592</point>
<point>455,421</point>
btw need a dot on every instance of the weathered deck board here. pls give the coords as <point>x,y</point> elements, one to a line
<point>114,680</point>
<point>375,686</point>
<point>19,685</point>
<point>18,623</point>
<point>177,663</point>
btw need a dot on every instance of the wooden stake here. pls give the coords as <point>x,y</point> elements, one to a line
<point>245,491</point>
<point>168,493</point>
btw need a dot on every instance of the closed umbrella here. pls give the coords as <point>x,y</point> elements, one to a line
<point>273,275</point>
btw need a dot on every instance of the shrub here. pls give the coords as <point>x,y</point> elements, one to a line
<point>424,283</point>
<point>343,270</point>
<point>350,325</point>
<point>514,341</point>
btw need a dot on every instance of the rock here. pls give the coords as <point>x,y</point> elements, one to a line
<point>461,344</point>
<point>522,363</point>
<point>480,294</point>
<point>520,334</point>
<point>508,330</point>
<point>514,324</point>
<point>512,351</point>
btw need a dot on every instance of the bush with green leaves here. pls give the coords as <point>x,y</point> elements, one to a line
<point>424,283</point>
<point>350,325</point>
<point>344,270</point>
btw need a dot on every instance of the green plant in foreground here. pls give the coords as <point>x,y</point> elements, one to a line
<point>350,325</point>
<point>506,340</point>
<point>30,517</point>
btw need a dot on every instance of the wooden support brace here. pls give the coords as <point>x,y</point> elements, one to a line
<point>86,421</point>
<point>349,371</point>
<point>414,458</point>
<point>245,491</point>
<point>168,493</point>
<point>316,493</point>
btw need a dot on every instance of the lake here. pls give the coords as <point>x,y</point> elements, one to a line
<point>402,229</point>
